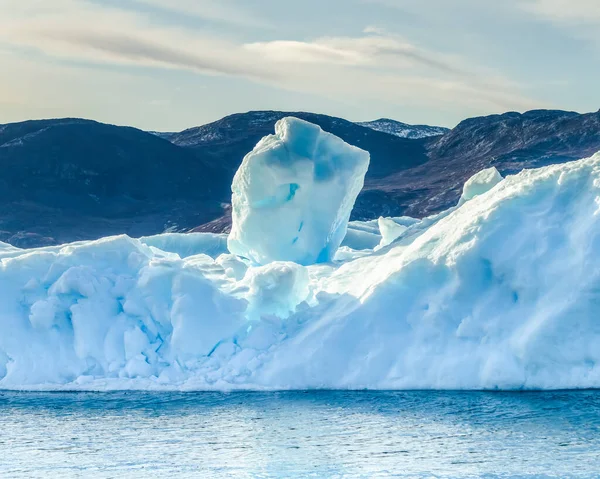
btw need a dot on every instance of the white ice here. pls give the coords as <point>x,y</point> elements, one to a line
<point>501,292</point>
<point>480,183</point>
<point>389,231</point>
<point>293,195</point>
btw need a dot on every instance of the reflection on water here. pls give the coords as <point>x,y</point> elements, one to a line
<point>300,434</point>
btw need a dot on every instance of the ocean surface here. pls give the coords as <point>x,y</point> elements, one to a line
<point>300,434</point>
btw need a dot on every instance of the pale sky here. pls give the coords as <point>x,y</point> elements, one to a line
<point>168,65</point>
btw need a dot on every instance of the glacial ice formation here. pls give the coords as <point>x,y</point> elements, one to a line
<point>293,195</point>
<point>480,183</point>
<point>213,245</point>
<point>501,292</point>
<point>389,230</point>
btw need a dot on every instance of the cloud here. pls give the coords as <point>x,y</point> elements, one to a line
<point>85,32</point>
<point>375,66</point>
<point>221,11</point>
<point>382,49</point>
<point>580,19</point>
<point>375,29</point>
<point>285,51</point>
<point>137,50</point>
<point>385,66</point>
<point>380,52</point>
<point>565,11</point>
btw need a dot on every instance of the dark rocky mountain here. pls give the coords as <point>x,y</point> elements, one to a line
<point>225,142</point>
<point>510,142</point>
<point>71,179</point>
<point>404,130</point>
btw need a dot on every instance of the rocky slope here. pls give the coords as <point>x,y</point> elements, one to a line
<point>71,179</point>
<point>510,142</point>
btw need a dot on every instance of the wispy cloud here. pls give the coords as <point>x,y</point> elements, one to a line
<point>221,11</point>
<point>579,19</point>
<point>208,57</point>
<point>287,51</point>
<point>381,50</point>
<point>372,66</point>
<point>402,68</point>
<point>87,32</point>
<point>372,49</point>
<point>565,11</point>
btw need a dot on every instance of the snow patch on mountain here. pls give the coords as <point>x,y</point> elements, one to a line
<point>404,130</point>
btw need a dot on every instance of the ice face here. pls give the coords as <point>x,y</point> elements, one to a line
<point>501,292</point>
<point>293,195</point>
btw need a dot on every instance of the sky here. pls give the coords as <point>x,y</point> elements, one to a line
<point>168,65</point>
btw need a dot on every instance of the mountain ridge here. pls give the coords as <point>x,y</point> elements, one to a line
<point>69,179</point>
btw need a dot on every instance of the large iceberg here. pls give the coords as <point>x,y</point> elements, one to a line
<point>293,195</point>
<point>501,292</point>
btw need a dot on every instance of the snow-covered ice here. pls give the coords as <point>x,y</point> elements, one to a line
<point>480,183</point>
<point>214,245</point>
<point>500,292</point>
<point>389,230</point>
<point>293,195</point>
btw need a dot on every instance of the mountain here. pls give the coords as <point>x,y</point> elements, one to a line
<point>510,142</point>
<point>72,179</point>
<point>404,130</point>
<point>225,142</point>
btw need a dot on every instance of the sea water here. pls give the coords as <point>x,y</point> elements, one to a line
<point>300,434</point>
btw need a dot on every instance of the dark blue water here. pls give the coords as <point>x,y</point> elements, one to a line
<point>314,434</point>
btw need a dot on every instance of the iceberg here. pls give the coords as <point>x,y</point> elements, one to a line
<point>293,195</point>
<point>500,292</point>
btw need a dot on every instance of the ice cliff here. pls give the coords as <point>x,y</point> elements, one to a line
<point>501,292</point>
